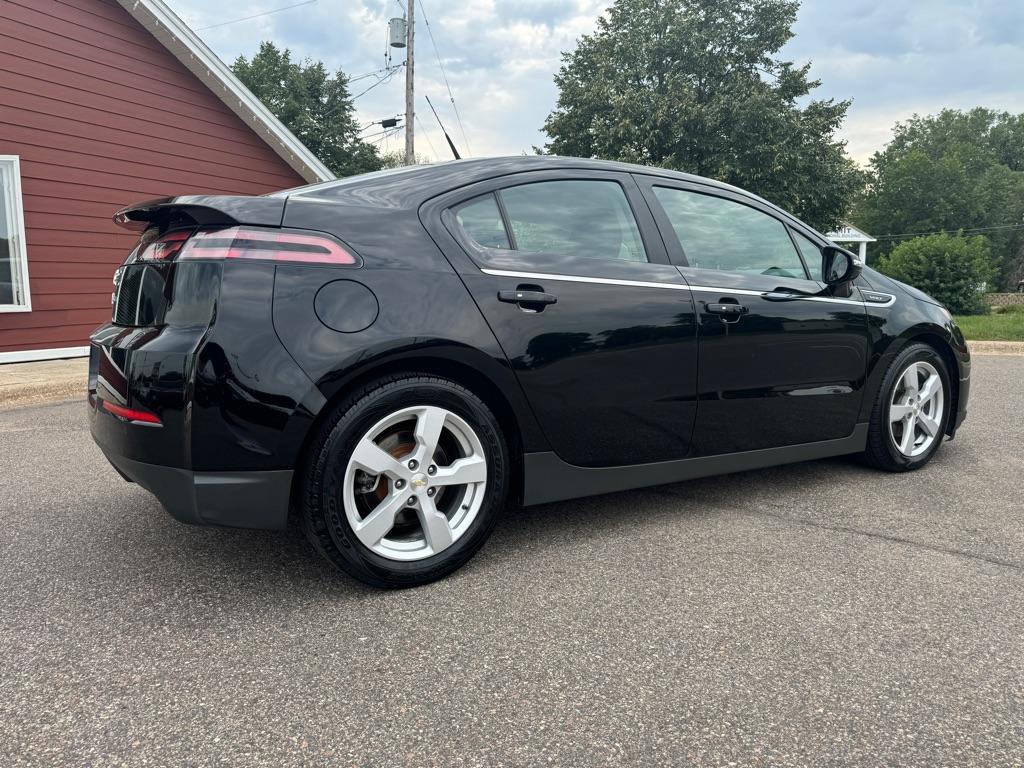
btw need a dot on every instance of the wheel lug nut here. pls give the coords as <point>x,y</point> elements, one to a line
<point>413,464</point>
<point>431,491</point>
<point>431,470</point>
<point>412,500</point>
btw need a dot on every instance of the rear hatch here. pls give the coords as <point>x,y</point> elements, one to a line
<point>165,306</point>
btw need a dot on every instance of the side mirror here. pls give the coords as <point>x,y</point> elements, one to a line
<point>839,266</point>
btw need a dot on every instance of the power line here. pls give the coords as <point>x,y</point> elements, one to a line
<point>426,135</point>
<point>378,133</point>
<point>376,72</point>
<point>381,81</point>
<point>444,75</point>
<point>386,135</point>
<point>968,230</point>
<point>256,15</point>
<point>383,123</point>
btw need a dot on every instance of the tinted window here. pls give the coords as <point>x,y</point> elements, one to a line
<point>587,219</point>
<point>721,234</point>
<point>811,254</point>
<point>481,220</point>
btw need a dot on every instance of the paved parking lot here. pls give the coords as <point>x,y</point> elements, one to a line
<point>807,615</point>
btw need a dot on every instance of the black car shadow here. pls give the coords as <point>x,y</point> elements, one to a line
<point>282,564</point>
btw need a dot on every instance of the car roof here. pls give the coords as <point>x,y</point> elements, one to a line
<point>408,187</point>
<point>436,178</point>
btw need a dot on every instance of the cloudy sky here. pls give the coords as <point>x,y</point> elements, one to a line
<point>891,57</point>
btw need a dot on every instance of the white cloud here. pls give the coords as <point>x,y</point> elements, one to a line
<point>891,58</point>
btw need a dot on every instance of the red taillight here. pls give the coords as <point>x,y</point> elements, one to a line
<point>165,248</point>
<point>266,244</point>
<point>130,414</point>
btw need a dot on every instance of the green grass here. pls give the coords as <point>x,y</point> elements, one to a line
<point>1005,326</point>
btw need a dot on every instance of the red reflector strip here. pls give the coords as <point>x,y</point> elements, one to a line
<point>131,414</point>
<point>267,245</point>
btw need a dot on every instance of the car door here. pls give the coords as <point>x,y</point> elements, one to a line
<point>778,365</point>
<point>570,273</point>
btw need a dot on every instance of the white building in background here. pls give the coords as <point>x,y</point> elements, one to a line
<point>850,234</point>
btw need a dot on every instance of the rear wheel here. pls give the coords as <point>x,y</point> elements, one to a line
<point>406,481</point>
<point>909,418</point>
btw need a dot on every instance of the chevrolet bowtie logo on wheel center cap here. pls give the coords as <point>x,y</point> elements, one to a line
<point>419,482</point>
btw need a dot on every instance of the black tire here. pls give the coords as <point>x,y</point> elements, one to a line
<point>882,451</point>
<point>322,511</point>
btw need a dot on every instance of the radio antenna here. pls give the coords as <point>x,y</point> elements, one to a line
<point>450,142</point>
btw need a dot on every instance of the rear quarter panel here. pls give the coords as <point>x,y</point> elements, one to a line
<point>425,311</point>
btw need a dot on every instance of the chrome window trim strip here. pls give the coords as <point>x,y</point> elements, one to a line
<point>676,286</point>
<point>582,279</point>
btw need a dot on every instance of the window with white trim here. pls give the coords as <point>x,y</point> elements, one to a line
<point>14,295</point>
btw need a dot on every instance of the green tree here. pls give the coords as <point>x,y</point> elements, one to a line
<point>314,105</point>
<point>396,159</point>
<point>951,171</point>
<point>694,85</point>
<point>951,268</point>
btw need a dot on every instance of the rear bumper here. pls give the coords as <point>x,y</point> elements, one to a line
<point>256,499</point>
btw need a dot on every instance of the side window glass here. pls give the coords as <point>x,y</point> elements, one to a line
<point>579,219</point>
<point>725,235</point>
<point>811,254</point>
<point>481,220</point>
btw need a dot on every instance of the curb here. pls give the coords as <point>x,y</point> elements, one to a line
<point>42,383</point>
<point>996,347</point>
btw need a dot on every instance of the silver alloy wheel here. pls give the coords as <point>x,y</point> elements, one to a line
<point>410,488</point>
<point>915,412</point>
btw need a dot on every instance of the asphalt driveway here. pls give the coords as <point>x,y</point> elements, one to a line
<point>815,614</point>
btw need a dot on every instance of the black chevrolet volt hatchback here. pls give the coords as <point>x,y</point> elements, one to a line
<point>389,360</point>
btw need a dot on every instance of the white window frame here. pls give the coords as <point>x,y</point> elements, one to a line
<point>19,251</point>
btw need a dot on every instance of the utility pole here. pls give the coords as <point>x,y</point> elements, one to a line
<point>410,104</point>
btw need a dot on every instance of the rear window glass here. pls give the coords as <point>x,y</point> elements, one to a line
<point>560,221</point>
<point>481,220</point>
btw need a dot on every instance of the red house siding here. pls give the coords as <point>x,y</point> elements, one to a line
<point>102,115</point>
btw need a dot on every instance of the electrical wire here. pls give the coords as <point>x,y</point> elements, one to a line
<point>376,72</point>
<point>423,132</point>
<point>381,133</point>
<point>444,75</point>
<point>381,81</point>
<point>965,231</point>
<point>386,135</point>
<point>255,15</point>
<point>379,122</point>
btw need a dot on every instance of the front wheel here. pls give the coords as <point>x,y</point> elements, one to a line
<point>406,481</point>
<point>909,418</point>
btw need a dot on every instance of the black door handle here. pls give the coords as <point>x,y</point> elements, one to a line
<point>528,298</point>
<point>727,310</point>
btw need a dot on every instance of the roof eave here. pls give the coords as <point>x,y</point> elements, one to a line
<point>161,22</point>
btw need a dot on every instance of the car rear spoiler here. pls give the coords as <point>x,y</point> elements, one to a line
<point>203,210</point>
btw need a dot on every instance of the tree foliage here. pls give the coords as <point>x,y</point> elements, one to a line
<point>396,159</point>
<point>951,268</point>
<point>951,171</point>
<point>314,105</point>
<point>694,85</point>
